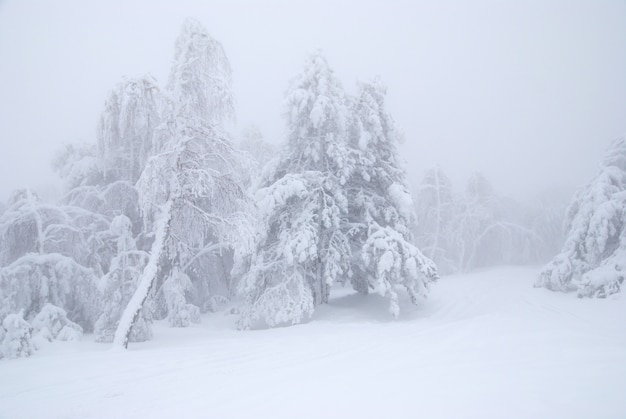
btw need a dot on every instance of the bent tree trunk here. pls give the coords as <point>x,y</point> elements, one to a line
<point>132,310</point>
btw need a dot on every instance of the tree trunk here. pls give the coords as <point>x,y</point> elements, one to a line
<point>132,310</point>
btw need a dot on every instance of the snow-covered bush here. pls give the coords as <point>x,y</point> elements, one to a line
<point>179,312</point>
<point>593,258</point>
<point>17,337</point>
<point>52,321</point>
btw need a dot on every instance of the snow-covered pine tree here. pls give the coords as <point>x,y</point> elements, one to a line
<point>126,128</point>
<point>191,193</point>
<point>435,214</point>
<point>593,258</point>
<point>301,245</point>
<point>381,210</point>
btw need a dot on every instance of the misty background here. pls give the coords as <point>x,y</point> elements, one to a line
<point>529,93</point>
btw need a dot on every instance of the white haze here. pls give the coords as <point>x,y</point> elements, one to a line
<point>530,93</point>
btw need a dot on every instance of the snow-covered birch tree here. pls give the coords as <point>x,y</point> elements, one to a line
<point>435,214</point>
<point>191,193</point>
<point>200,79</point>
<point>45,257</point>
<point>126,128</point>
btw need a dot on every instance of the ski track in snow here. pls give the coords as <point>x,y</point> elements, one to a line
<point>483,345</point>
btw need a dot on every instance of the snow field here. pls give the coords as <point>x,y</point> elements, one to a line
<point>483,345</point>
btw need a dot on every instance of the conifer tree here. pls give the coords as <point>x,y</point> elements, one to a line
<point>593,258</point>
<point>381,211</point>
<point>301,246</point>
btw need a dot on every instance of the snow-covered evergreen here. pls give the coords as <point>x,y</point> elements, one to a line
<point>334,208</point>
<point>381,210</point>
<point>302,247</point>
<point>593,258</point>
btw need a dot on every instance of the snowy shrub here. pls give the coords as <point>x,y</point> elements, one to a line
<point>17,337</point>
<point>34,280</point>
<point>179,312</point>
<point>56,324</point>
<point>594,255</point>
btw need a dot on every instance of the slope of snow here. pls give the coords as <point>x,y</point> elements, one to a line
<point>484,345</point>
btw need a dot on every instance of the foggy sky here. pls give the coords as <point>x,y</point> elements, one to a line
<point>530,92</point>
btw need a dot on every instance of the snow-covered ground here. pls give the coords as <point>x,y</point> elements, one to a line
<point>484,345</point>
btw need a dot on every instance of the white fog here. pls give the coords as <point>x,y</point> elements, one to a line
<point>312,209</point>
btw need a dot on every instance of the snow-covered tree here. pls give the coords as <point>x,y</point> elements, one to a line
<point>301,246</point>
<point>593,258</point>
<point>381,210</point>
<point>77,165</point>
<point>119,283</point>
<point>478,228</point>
<point>192,197</point>
<point>200,79</point>
<point>191,193</point>
<point>17,337</point>
<point>253,142</point>
<point>51,254</point>
<point>34,280</point>
<point>126,128</point>
<point>435,214</point>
